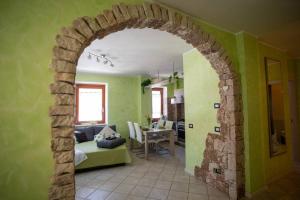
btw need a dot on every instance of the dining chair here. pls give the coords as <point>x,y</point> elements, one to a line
<point>131,134</point>
<point>152,138</point>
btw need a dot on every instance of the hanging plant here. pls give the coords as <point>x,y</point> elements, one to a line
<point>145,83</point>
<point>174,78</point>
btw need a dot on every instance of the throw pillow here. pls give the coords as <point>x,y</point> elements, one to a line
<point>80,136</point>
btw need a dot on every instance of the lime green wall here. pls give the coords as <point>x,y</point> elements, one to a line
<point>122,98</point>
<point>250,79</point>
<point>201,91</point>
<point>27,34</point>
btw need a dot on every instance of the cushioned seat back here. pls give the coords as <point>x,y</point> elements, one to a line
<point>91,130</point>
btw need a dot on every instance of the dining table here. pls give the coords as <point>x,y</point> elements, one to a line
<point>169,134</point>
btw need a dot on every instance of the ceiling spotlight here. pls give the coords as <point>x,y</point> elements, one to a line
<point>102,55</point>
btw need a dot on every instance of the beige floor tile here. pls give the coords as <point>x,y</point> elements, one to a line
<point>117,178</point>
<point>147,182</point>
<point>124,188</point>
<point>180,187</point>
<point>198,189</point>
<point>141,191</point>
<point>131,180</point>
<point>213,192</point>
<point>182,178</point>
<point>117,196</point>
<point>109,186</point>
<point>197,197</point>
<point>84,192</point>
<point>194,180</point>
<point>96,183</point>
<point>132,197</point>
<point>174,195</point>
<point>98,195</point>
<point>164,185</point>
<point>104,177</point>
<point>159,194</point>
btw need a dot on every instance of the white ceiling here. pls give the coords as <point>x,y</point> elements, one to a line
<point>135,52</point>
<point>276,22</point>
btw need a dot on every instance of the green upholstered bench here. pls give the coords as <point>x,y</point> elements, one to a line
<point>98,157</point>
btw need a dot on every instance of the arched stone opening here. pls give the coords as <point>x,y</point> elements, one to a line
<point>224,151</point>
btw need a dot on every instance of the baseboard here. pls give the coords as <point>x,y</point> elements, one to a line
<point>252,194</point>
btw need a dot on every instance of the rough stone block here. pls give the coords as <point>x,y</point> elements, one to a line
<point>63,66</point>
<point>62,88</point>
<point>81,26</point>
<point>62,144</point>
<point>62,180</point>
<point>62,132</point>
<point>63,54</point>
<point>65,77</point>
<point>102,21</point>
<point>118,15</point>
<point>61,110</point>
<point>66,192</point>
<point>68,43</point>
<point>64,99</point>
<point>109,16</point>
<point>72,33</point>
<point>91,22</point>
<point>64,157</point>
<point>60,121</point>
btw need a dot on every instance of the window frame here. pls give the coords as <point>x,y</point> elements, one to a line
<point>91,86</point>
<point>161,90</point>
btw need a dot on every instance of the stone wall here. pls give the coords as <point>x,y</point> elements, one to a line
<point>225,150</point>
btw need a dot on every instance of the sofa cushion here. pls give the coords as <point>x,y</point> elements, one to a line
<point>98,128</point>
<point>110,144</point>
<point>88,130</point>
<point>80,136</point>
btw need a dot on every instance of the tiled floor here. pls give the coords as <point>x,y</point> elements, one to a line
<point>161,177</point>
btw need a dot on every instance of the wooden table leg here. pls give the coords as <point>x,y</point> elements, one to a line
<point>146,146</point>
<point>172,143</point>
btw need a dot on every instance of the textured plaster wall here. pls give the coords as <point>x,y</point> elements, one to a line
<point>250,70</point>
<point>27,34</point>
<point>122,99</point>
<point>201,92</point>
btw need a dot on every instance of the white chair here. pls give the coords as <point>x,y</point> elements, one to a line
<point>152,138</point>
<point>169,124</point>
<point>131,134</point>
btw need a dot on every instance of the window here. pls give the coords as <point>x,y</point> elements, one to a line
<point>90,103</point>
<point>157,103</point>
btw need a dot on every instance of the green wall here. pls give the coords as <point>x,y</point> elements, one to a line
<point>201,91</point>
<point>145,102</point>
<point>171,87</point>
<point>27,34</point>
<point>122,99</point>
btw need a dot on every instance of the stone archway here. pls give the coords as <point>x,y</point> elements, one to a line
<point>224,151</point>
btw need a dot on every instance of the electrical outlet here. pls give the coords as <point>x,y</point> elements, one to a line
<point>217,170</point>
<point>191,126</point>
<point>217,105</point>
<point>217,129</point>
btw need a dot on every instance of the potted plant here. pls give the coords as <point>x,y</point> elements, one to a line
<point>174,78</point>
<point>145,83</point>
